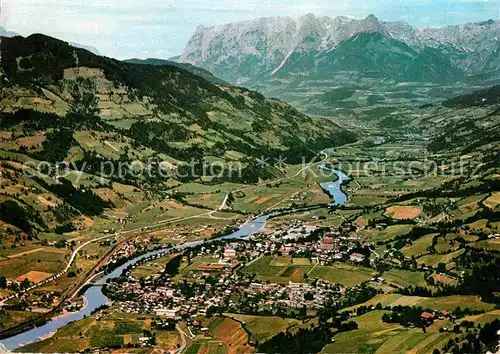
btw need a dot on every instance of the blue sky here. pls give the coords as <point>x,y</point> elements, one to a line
<point>160,28</point>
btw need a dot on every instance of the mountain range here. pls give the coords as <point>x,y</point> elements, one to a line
<point>254,50</point>
<point>5,33</point>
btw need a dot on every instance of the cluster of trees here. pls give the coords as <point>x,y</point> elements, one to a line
<point>3,282</point>
<point>30,119</point>
<point>188,290</point>
<point>25,218</point>
<point>357,296</point>
<point>414,234</point>
<point>384,219</point>
<point>86,200</point>
<point>433,208</point>
<point>56,145</point>
<point>67,227</point>
<point>172,266</point>
<point>251,173</point>
<point>84,100</point>
<point>313,339</point>
<point>483,279</point>
<point>405,315</point>
<point>109,290</point>
<point>314,236</point>
<point>354,296</point>
<point>415,291</point>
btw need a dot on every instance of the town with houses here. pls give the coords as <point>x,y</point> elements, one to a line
<point>270,273</point>
<point>217,277</point>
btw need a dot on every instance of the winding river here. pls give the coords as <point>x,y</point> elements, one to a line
<point>95,298</point>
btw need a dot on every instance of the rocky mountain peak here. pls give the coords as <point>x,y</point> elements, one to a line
<point>371,19</point>
<point>238,51</point>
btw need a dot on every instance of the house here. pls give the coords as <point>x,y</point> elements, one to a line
<point>229,252</point>
<point>327,243</point>
<point>328,240</point>
<point>357,257</point>
<point>443,314</point>
<point>169,313</point>
<point>337,256</point>
<point>285,250</point>
<point>353,236</point>
<point>427,316</point>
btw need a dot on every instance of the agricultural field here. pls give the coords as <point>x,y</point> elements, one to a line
<point>206,346</point>
<point>404,278</point>
<point>403,212</point>
<point>49,260</point>
<point>262,328</point>
<point>188,269</point>
<point>279,269</point>
<point>444,279</point>
<point>18,250</point>
<point>198,188</point>
<point>386,234</point>
<point>489,245</point>
<point>319,217</point>
<point>112,330</point>
<point>302,189</point>
<point>207,200</point>
<point>150,268</point>
<point>419,246</point>
<point>493,201</point>
<point>226,336</point>
<point>447,244</point>
<point>483,318</point>
<point>365,198</point>
<point>433,260</point>
<point>341,273</point>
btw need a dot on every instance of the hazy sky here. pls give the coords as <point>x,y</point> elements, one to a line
<point>160,28</point>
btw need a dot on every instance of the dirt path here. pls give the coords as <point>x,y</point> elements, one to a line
<point>21,254</point>
<point>315,264</point>
<point>111,146</point>
<point>40,249</point>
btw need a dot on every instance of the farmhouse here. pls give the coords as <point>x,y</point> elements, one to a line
<point>427,315</point>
